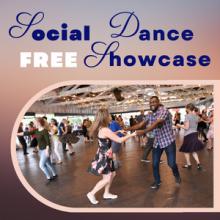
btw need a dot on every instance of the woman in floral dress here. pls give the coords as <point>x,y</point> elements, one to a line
<point>103,162</point>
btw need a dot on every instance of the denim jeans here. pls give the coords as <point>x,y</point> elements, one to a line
<point>171,159</point>
<point>45,165</point>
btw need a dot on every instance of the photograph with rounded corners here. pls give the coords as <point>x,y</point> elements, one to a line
<point>108,147</point>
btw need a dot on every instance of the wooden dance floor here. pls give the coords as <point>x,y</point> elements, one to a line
<point>131,183</point>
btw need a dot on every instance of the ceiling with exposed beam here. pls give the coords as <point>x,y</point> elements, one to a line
<point>86,99</point>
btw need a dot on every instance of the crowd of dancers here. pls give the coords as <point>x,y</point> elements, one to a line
<point>156,129</point>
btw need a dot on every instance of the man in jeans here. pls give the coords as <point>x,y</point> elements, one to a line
<point>161,123</point>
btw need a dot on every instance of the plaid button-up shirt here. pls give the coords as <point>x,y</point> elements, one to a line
<point>164,135</point>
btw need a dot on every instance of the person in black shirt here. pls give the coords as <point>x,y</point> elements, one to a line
<point>61,128</point>
<point>22,139</point>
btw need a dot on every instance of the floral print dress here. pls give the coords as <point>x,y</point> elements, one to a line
<point>103,162</point>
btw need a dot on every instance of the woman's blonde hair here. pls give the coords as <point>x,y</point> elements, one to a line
<point>102,120</point>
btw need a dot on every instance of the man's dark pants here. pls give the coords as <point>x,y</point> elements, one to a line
<point>170,151</point>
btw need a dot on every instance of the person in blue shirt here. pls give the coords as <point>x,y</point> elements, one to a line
<point>116,128</point>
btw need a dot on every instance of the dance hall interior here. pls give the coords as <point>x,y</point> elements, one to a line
<point>120,146</point>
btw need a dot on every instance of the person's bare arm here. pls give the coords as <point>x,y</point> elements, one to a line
<point>121,132</point>
<point>20,134</point>
<point>53,130</point>
<point>65,130</point>
<point>185,126</point>
<point>106,132</point>
<point>25,133</point>
<point>137,126</point>
<point>161,117</point>
<point>154,125</point>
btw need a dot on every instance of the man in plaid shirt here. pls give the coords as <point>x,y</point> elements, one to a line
<point>161,123</point>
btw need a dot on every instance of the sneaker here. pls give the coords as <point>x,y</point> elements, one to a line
<point>110,196</point>
<point>49,180</point>
<point>155,185</point>
<point>54,177</point>
<point>187,166</point>
<point>146,161</point>
<point>199,167</point>
<point>178,179</point>
<point>92,198</point>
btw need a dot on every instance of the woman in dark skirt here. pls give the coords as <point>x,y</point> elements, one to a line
<point>191,143</point>
<point>68,137</point>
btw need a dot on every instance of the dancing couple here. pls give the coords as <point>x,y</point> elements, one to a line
<point>160,121</point>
